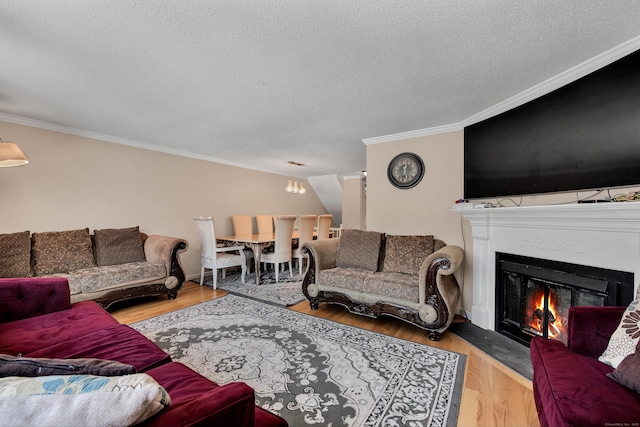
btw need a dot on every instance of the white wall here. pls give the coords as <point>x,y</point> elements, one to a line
<point>75,182</point>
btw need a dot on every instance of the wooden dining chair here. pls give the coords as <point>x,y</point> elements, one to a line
<point>265,223</point>
<point>243,224</point>
<point>307,224</point>
<point>214,257</point>
<point>324,226</point>
<point>282,245</point>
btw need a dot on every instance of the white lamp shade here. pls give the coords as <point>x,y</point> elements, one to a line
<point>11,155</point>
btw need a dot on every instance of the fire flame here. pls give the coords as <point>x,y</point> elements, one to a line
<point>537,318</point>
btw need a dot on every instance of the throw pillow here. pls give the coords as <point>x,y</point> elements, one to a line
<point>405,254</point>
<point>118,246</point>
<point>16,254</point>
<point>62,251</point>
<point>81,400</point>
<point>359,249</point>
<point>15,366</point>
<point>628,371</point>
<point>625,338</point>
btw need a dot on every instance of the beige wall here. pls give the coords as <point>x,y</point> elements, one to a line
<point>76,182</point>
<point>353,203</point>
<point>426,208</point>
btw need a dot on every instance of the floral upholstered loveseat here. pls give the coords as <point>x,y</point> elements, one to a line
<point>107,266</point>
<point>373,274</point>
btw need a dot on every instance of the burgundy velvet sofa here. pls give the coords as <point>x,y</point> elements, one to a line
<point>38,320</point>
<point>570,385</point>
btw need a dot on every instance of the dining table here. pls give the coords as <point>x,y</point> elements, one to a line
<point>257,242</point>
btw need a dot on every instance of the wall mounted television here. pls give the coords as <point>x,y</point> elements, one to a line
<point>582,136</point>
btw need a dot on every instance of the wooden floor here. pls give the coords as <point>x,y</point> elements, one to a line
<point>493,394</point>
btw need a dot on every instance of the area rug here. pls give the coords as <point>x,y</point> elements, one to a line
<point>287,291</point>
<point>313,371</point>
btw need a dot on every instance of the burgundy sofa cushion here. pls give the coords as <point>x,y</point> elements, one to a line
<point>28,335</point>
<point>28,297</point>
<point>589,328</point>
<point>120,343</point>
<point>573,390</point>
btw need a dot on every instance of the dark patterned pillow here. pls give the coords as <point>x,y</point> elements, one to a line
<point>15,254</point>
<point>62,251</point>
<point>359,249</point>
<point>628,371</point>
<point>15,366</point>
<point>405,254</point>
<point>118,246</point>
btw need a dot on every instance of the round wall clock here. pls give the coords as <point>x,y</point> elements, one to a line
<point>405,170</point>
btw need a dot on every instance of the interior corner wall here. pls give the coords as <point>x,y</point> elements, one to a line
<point>426,208</point>
<point>353,203</point>
<point>75,182</point>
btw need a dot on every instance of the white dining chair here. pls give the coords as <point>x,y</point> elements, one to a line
<point>307,224</point>
<point>324,226</point>
<point>243,224</point>
<point>265,223</point>
<point>214,257</point>
<point>282,245</point>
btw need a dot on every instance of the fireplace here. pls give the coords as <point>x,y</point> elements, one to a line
<point>599,235</point>
<point>533,295</point>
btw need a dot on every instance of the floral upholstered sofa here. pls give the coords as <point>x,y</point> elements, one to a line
<point>107,266</point>
<point>373,274</point>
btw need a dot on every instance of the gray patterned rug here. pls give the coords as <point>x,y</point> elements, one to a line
<point>288,291</point>
<point>313,371</point>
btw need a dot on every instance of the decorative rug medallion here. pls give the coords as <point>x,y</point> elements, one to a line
<point>287,291</point>
<point>313,371</point>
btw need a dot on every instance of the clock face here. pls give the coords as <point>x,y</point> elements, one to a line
<point>405,170</point>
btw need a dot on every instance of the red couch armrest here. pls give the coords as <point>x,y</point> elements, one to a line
<point>590,328</point>
<point>21,298</point>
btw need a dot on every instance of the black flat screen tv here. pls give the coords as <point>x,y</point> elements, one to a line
<point>582,136</point>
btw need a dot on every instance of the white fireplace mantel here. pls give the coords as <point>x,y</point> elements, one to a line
<point>605,235</point>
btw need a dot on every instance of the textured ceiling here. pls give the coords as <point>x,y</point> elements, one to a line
<point>257,83</point>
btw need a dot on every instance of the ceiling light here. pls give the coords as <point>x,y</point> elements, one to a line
<point>11,155</point>
<point>296,187</point>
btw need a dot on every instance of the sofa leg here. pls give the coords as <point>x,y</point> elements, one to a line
<point>434,336</point>
<point>314,305</point>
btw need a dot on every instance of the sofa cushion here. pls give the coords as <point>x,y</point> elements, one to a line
<point>81,400</point>
<point>27,335</point>
<point>625,338</point>
<point>16,366</point>
<point>118,246</point>
<point>394,285</point>
<point>96,279</point>
<point>16,254</point>
<point>574,390</point>
<point>118,342</point>
<point>359,249</point>
<point>405,254</point>
<point>343,278</point>
<point>628,371</point>
<point>62,251</point>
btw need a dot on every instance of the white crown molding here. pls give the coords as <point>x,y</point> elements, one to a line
<point>413,134</point>
<point>523,97</point>
<point>123,141</point>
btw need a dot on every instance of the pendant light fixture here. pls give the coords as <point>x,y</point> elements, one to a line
<point>296,187</point>
<point>11,155</point>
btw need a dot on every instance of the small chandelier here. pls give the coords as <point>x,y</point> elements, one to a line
<point>296,187</point>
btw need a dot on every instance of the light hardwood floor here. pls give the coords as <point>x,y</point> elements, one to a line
<point>493,394</point>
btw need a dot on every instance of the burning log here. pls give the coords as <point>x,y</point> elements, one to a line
<point>539,313</point>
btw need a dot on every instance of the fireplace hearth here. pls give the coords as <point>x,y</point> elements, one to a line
<point>533,295</point>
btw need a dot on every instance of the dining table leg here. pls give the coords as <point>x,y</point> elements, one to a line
<point>257,254</point>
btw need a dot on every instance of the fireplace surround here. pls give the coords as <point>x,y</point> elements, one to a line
<point>600,235</point>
